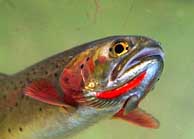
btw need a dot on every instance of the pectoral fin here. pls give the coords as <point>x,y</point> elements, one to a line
<point>138,117</point>
<point>44,91</point>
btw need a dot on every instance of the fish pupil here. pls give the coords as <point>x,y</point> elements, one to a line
<point>119,48</point>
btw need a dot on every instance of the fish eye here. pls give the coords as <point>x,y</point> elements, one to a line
<point>119,48</point>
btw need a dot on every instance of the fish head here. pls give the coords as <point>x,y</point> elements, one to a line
<point>116,71</point>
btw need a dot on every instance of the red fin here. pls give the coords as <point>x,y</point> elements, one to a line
<point>138,117</point>
<point>44,91</point>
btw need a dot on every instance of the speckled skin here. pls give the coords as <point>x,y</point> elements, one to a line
<point>22,117</point>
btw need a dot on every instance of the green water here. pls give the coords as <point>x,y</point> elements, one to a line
<point>31,30</point>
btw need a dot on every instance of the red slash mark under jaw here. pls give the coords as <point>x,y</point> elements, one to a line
<point>110,94</point>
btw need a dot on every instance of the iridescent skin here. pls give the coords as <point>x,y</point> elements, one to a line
<point>22,117</point>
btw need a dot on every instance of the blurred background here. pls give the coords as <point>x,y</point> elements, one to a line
<point>31,30</point>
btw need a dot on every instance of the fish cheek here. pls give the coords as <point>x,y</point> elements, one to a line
<point>102,69</point>
<point>71,80</point>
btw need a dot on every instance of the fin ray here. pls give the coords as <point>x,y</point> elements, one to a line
<point>138,117</point>
<point>44,91</point>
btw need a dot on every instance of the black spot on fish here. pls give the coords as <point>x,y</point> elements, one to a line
<point>82,66</point>
<point>87,58</point>
<point>9,130</point>
<point>56,75</point>
<point>4,97</point>
<point>57,66</point>
<point>20,129</point>
<point>40,109</point>
<point>16,104</point>
<point>33,71</point>
<point>46,72</point>
<point>21,82</point>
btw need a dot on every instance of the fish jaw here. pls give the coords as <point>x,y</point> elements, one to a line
<point>133,97</point>
<point>130,111</point>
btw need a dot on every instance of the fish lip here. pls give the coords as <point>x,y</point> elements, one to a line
<point>151,53</point>
<point>144,53</point>
<point>148,52</point>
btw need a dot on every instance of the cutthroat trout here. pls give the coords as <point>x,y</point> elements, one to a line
<point>66,93</point>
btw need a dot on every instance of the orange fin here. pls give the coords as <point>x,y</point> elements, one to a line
<point>138,117</point>
<point>44,91</point>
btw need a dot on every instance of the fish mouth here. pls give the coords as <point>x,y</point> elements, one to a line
<point>134,64</point>
<point>148,61</point>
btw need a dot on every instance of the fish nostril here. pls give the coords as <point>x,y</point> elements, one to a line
<point>82,66</point>
<point>131,44</point>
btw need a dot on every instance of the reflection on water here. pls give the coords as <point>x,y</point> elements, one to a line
<point>32,30</point>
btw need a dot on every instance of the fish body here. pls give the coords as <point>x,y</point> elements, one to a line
<point>66,93</point>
